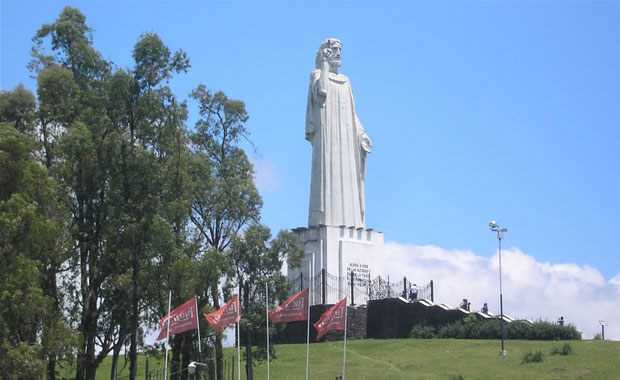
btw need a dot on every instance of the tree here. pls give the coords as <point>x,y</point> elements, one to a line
<point>118,145</point>
<point>59,106</point>
<point>85,144</point>
<point>254,261</point>
<point>144,112</point>
<point>57,93</point>
<point>225,198</point>
<point>31,226</point>
<point>18,108</point>
<point>132,178</point>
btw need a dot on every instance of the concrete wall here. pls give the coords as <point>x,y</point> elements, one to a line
<point>380,319</point>
<point>393,318</point>
<point>295,332</point>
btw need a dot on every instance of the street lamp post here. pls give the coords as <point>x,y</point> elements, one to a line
<point>603,324</point>
<point>500,235</point>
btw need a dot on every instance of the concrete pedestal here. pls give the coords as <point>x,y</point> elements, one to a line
<point>340,250</point>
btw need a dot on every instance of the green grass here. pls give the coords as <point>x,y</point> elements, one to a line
<point>431,359</point>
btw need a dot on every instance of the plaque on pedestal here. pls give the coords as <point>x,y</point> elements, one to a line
<point>340,251</point>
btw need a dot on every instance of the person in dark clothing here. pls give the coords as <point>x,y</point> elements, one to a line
<point>485,308</point>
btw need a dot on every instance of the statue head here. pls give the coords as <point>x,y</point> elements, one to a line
<point>330,52</point>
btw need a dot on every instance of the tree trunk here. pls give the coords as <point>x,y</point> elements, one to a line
<point>80,373</point>
<point>175,366</point>
<point>211,364</point>
<point>248,336</point>
<point>51,369</point>
<point>219,355</point>
<point>91,365</point>
<point>117,351</point>
<point>248,357</point>
<point>87,365</point>
<point>135,316</point>
<point>187,351</point>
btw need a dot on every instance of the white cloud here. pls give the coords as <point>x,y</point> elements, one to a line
<point>531,289</point>
<point>266,176</point>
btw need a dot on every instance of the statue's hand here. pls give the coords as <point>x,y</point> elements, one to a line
<point>327,54</point>
<point>365,143</point>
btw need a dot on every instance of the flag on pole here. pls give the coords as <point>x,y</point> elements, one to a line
<point>293,309</point>
<point>332,319</point>
<point>229,313</point>
<point>181,319</point>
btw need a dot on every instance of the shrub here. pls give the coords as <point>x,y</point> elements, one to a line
<point>491,329</point>
<point>597,336</point>
<point>470,320</point>
<point>566,349</point>
<point>423,332</point>
<point>530,357</point>
<point>518,330</point>
<point>471,328</point>
<point>457,376</point>
<point>543,330</point>
<point>452,330</point>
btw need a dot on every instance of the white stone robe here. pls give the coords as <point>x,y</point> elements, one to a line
<point>338,161</point>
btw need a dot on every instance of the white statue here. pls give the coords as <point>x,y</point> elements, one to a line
<point>339,144</point>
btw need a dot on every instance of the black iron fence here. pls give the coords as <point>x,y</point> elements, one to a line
<point>326,288</point>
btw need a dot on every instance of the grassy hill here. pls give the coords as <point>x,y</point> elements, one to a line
<point>430,359</point>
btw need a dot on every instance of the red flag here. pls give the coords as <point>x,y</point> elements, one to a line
<point>293,309</point>
<point>181,319</point>
<point>332,319</point>
<point>229,313</point>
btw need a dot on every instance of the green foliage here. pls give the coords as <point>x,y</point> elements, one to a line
<point>117,143</point>
<point>18,108</point>
<point>154,64</point>
<point>423,332</point>
<point>566,349</point>
<point>22,362</point>
<point>71,43</point>
<point>472,328</point>
<point>532,357</point>
<point>457,376</point>
<point>226,198</point>
<point>30,226</point>
<point>138,205</point>
<point>597,336</point>
<point>58,95</point>
<point>254,262</point>
<point>543,330</point>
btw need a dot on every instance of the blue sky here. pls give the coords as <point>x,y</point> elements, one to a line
<point>477,110</point>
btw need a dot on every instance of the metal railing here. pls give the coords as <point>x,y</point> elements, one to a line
<point>329,289</point>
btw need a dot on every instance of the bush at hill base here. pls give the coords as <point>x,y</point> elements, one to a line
<point>472,328</point>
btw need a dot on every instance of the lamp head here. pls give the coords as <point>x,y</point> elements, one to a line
<point>602,323</point>
<point>191,368</point>
<point>493,225</point>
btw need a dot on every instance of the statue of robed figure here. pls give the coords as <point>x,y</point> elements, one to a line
<point>339,145</point>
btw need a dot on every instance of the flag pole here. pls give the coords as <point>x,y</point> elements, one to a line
<point>167,334</point>
<point>198,325</point>
<point>238,338</point>
<point>267,317</point>
<point>344,359</point>
<point>309,304</point>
